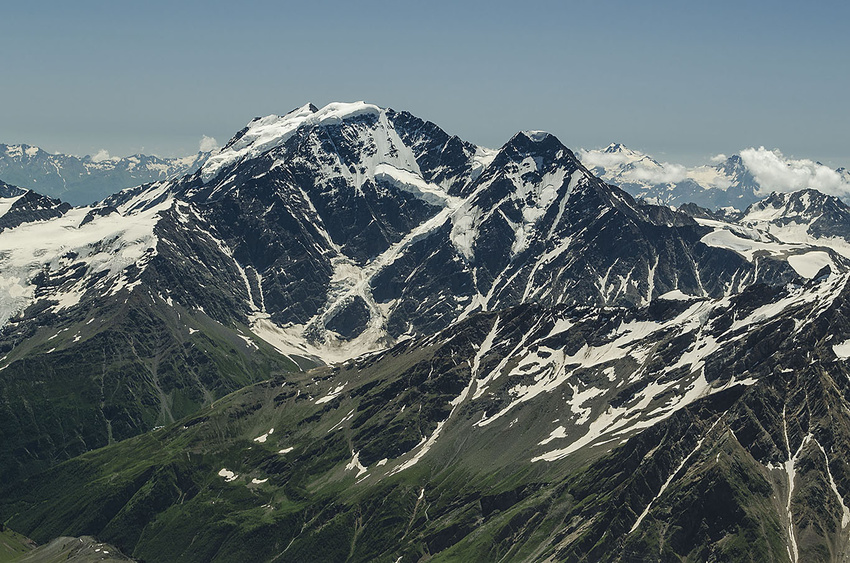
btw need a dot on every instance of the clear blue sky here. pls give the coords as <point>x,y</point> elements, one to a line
<point>681,80</point>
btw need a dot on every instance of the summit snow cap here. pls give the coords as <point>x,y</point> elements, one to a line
<point>264,133</point>
<point>537,136</point>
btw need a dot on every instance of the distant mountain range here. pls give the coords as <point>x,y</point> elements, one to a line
<point>736,182</point>
<point>81,181</point>
<point>351,336</point>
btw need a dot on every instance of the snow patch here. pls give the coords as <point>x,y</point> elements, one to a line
<point>676,295</point>
<point>810,263</point>
<point>107,244</point>
<point>355,464</point>
<point>842,350</point>
<point>412,183</point>
<point>7,202</point>
<point>332,395</point>
<point>746,247</point>
<point>262,439</point>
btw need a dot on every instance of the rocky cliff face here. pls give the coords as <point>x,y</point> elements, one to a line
<point>348,227</point>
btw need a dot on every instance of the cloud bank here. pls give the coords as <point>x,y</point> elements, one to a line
<point>605,160</point>
<point>775,173</point>
<point>628,166</point>
<point>771,169</point>
<point>658,172</point>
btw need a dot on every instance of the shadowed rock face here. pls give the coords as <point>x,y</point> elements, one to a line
<point>8,190</point>
<point>30,207</point>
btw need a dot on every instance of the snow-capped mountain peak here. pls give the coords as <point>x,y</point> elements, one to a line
<point>522,313</point>
<point>536,136</point>
<point>339,226</point>
<point>806,216</point>
<point>616,161</point>
<point>21,151</point>
<point>265,133</point>
<point>619,148</point>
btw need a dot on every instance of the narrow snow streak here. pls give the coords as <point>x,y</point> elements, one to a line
<point>229,253</point>
<point>673,476</point>
<point>479,355</point>
<point>845,517</point>
<point>790,470</point>
<point>426,445</point>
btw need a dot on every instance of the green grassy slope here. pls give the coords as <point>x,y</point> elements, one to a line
<point>13,546</point>
<point>98,376</point>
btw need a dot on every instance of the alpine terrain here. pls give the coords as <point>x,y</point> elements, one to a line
<point>351,336</point>
<point>735,182</point>
<point>90,178</point>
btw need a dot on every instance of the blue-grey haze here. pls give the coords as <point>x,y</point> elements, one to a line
<point>680,80</point>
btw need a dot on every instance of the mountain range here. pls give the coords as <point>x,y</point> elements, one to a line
<point>733,182</point>
<point>349,335</point>
<point>83,180</point>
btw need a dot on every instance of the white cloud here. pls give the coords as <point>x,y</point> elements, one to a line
<point>630,166</point>
<point>775,173</point>
<point>605,160</point>
<point>207,144</point>
<point>771,169</point>
<point>100,156</point>
<point>657,172</point>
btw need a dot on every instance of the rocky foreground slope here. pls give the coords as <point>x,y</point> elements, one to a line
<point>695,429</point>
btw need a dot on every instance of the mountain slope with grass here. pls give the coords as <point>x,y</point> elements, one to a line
<point>573,433</point>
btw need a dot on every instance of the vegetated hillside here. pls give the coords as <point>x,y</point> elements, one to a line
<point>584,434</point>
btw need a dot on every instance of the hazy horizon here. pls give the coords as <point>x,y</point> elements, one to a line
<point>679,82</point>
